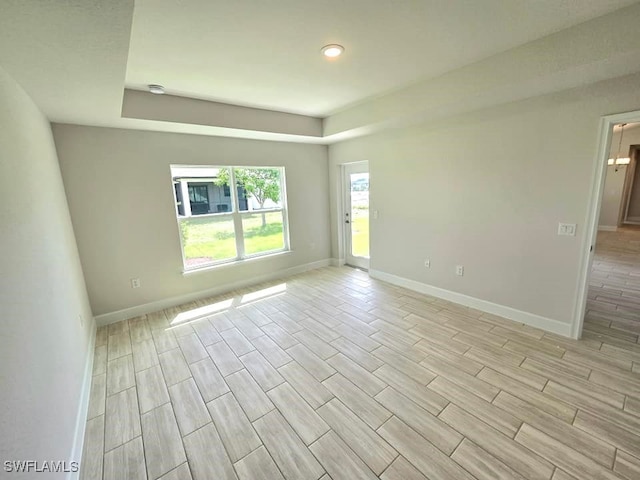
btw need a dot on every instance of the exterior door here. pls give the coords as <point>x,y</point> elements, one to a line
<point>356,214</point>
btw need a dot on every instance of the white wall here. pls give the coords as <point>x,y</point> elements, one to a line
<point>120,196</point>
<point>43,347</point>
<point>487,190</point>
<point>614,183</point>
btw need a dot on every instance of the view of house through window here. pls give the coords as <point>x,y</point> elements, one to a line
<point>229,213</point>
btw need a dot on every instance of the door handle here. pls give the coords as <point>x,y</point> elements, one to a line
<point>347,221</point>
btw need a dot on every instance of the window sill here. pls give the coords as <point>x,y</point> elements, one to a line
<point>234,263</point>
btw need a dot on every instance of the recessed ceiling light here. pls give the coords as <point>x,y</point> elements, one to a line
<point>332,50</point>
<point>156,89</point>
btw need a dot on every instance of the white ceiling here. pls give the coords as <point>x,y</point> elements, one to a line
<point>76,57</point>
<point>265,53</point>
<point>69,55</point>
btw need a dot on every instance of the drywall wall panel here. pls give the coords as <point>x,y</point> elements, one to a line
<point>120,195</point>
<point>46,325</point>
<point>487,190</point>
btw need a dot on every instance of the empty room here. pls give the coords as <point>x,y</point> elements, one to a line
<point>299,240</point>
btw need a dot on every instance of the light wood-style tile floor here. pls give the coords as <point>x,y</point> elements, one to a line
<point>613,314</point>
<point>333,375</point>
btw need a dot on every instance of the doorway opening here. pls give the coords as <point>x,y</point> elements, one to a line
<point>356,214</point>
<point>608,307</point>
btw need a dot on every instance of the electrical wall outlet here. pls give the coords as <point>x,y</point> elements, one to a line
<point>459,270</point>
<point>427,263</point>
<point>135,283</point>
<point>568,229</point>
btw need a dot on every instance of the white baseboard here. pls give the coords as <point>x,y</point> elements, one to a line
<point>338,262</point>
<point>83,410</point>
<point>113,317</point>
<point>607,228</point>
<point>519,316</point>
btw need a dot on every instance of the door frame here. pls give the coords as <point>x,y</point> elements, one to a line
<point>593,212</point>
<point>345,242</point>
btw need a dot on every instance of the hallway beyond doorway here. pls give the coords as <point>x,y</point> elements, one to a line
<point>613,306</point>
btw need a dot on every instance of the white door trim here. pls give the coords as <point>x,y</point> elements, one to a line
<point>593,213</point>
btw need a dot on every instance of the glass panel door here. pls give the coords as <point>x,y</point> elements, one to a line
<point>356,213</point>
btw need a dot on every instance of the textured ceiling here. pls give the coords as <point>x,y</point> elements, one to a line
<point>265,53</point>
<point>75,58</point>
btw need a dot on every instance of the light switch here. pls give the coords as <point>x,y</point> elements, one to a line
<point>568,229</point>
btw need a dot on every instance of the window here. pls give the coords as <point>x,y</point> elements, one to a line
<point>220,223</point>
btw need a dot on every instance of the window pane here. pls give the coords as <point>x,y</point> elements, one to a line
<point>221,196</point>
<point>360,214</point>
<point>202,190</point>
<point>258,188</point>
<point>243,200</point>
<point>207,239</point>
<point>262,232</point>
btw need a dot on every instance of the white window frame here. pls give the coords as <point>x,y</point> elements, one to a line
<point>236,214</point>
